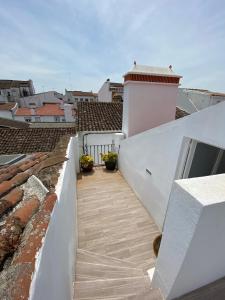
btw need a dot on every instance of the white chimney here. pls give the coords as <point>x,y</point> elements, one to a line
<point>150,95</point>
<point>68,112</point>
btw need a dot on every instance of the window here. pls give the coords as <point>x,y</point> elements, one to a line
<point>32,104</point>
<point>63,120</point>
<point>27,119</point>
<point>76,99</point>
<point>86,99</point>
<point>57,119</point>
<point>81,99</point>
<point>37,119</point>
<point>202,159</point>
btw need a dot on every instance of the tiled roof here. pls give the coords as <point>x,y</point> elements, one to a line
<point>103,116</point>
<point>46,110</point>
<point>23,111</point>
<point>8,123</point>
<point>87,94</point>
<point>210,93</point>
<point>24,217</point>
<point>7,106</point>
<point>180,113</point>
<point>116,84</point>
<point>49,110</point>
<point>7,84</point>
<point>31,139</point>
<point>51,124</point>
<point>99,116</point>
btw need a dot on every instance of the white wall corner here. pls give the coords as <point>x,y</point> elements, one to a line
<point>193,236</point>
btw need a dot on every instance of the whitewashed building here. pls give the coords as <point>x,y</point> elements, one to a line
<point>73,97</point>
<point>192,100</point>
<point>111,92</point>
<point>40,99</point>
<point>177,170</point>
<point>12,90</point>
<point>49,112</point>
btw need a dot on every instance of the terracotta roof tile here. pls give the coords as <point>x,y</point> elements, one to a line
<point>84,94</point>
<point>99,116</point>
<point>23,111</point>
<point>32,241</point>
<point>24,213</point>
<point>7,123</point>
<point>10,200</point>
<point>7,106</point>
<point>5,186</point>
<point>24,220</point>
<point>31,140</point>
<point>180,113</point>
<point>7,83</point>
<point>49,110</point>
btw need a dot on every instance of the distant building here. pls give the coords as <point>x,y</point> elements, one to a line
<point>49,112</point>
<point>73,97</point>
<point>40,99</point>
<point>192,100</point>
<point>12,90</point>
<point>111,92</point>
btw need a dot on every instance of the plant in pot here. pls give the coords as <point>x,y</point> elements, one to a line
<point>86,163</point>
<point>110,160</point>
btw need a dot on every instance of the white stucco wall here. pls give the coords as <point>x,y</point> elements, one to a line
<point>104,94</point>
<point>147,105</point>
<point>192,249</point>
<point>38,99</point>
<point>158,150</point>
<point>54,274</point>
<point>6,114</point>
<point>102,138</point>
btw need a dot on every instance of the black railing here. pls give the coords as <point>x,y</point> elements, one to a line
<point>96,150</point>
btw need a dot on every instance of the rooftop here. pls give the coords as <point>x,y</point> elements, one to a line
<point>7,106</point>
<point>8,84</point>
<point>99,116</point>
<point>9,123</point>
<point>87,94</point>
<point>115,236</point>
<point>103,116</point>
<point>25,210</point>
<point>48,109</point>
<point>30,140</point>
<point>148,70</point>
<point>214,94</point>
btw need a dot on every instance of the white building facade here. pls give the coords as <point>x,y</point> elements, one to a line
<point>73,97</point>
<point>12,90</point>
<point>110,92</point>
<point>40,99</point>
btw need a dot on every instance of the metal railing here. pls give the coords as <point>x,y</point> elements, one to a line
<point>96,150</point>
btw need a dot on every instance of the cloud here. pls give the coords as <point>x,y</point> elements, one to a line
<point>78,44</point>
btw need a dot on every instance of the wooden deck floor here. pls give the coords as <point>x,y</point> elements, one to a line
<point>112,221</point>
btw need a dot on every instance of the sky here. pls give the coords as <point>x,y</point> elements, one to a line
<point>78,44</point>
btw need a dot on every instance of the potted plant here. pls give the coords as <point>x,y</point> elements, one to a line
<point>86,163</point>
<point>110,160</point>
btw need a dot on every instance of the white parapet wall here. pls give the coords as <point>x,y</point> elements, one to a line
<point>158,150</point>
<point>192,250</point>
<point>54,271</point>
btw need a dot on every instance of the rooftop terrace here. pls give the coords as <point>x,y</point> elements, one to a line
<point>115,237</point>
